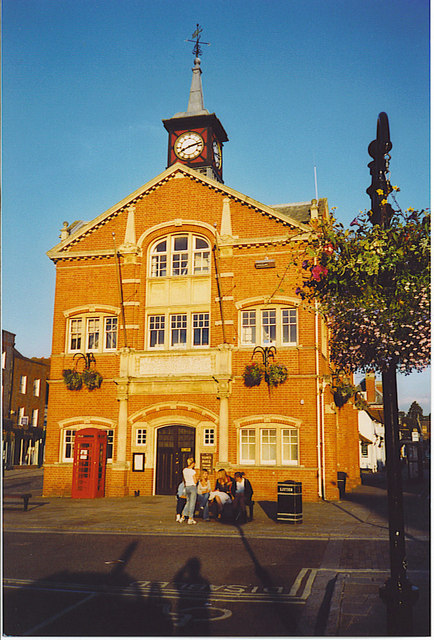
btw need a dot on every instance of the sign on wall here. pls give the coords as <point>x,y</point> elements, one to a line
<point>206,461</point>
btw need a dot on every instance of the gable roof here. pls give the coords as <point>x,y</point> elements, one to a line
<point>81,228</point>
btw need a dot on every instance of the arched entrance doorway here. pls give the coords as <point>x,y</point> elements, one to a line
<point>175,444</point>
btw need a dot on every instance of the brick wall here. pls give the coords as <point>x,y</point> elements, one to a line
<point>91,281</point>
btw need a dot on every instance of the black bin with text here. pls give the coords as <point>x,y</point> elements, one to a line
<point>289,502</point>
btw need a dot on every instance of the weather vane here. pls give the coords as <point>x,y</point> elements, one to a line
<point>197,51</point>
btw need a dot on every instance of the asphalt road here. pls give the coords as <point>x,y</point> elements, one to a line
<point>106,585</point>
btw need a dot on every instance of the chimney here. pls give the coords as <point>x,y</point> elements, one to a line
<point>370,387</point>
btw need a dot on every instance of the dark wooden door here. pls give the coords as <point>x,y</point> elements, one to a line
<point>174,445</point>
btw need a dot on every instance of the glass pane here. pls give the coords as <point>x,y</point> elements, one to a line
<point>180,264</point>
<point>93,333</point>
<point>179,329</point>
<point>111,328</point>
<point>248,332</point>
<point>75,342</point>
<point>269,326</point>
<point>289,325</point>
<point>180,243</point>
<point>248,445</point>
<point>200,243</point>
<point>161,247</point>
<point>268,445</point>
<point>201,262</point>
<point>159,266</point>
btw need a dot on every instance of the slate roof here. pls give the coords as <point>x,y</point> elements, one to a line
<point>299,211</point>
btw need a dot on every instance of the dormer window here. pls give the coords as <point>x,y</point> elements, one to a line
<point>180,255</point>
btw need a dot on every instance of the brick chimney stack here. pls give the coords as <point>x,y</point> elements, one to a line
<point>370,387</point>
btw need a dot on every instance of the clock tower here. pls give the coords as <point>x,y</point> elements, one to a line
<point>196,136</point>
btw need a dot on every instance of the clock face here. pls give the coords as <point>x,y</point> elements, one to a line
<point>188,145</point>
<point>216,149</point>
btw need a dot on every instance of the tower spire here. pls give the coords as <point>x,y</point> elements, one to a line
<point>196,136</point>
<point>195,101</point>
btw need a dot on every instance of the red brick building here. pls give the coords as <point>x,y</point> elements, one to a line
<point>24,401</point>
<point>170,290</point>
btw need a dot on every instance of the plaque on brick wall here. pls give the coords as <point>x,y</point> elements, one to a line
<point>206,461</point>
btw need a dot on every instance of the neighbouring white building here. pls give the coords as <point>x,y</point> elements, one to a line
<point>371,426</point>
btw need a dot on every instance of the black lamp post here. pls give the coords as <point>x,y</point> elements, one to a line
<point>398,593</point>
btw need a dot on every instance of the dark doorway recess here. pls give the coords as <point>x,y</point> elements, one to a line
<point>175,444</point>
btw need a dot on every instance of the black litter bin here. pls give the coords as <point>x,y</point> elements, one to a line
<point>289,502</point>
<point>342,481</point>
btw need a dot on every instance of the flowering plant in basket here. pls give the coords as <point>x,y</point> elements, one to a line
<point>276,374</point>
<point>253,374</point>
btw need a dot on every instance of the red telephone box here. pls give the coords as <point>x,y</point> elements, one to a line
<point>88,473</point>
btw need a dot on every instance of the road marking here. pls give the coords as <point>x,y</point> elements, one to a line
<point>201,592</point>
<point>196,614</point>
<point>48,621</point>
<point>268,535</point>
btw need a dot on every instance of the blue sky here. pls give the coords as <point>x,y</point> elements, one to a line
<point>296,84</point>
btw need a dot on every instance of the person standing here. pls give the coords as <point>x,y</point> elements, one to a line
<point>180,500</point>
<point>189,475</point>
<point>203,491</point>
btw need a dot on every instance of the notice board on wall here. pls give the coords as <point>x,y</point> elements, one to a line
<point>206,461</point>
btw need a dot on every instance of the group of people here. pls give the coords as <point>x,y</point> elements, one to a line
<point>196,491</point>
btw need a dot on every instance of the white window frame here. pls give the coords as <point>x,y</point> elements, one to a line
<point>157,324</point>
<point>293,435</point>
<point>35,417</point>
<point>168,328</point>
<point>178,329</point>
<point>37,387</point>
<point>260,436</point>
<point>92,332</point>
<point>172,261</point>
<point>248,327</point>
<point>111,330</point>
<point>209,436</point>
<point>141,437</point>
<point>200,325</point>
<point>264,434</point>
<point>23,384</point>
<point>250,434</point>
<point>68,441</point>
<point>291,323</point>
<point>254,322</point>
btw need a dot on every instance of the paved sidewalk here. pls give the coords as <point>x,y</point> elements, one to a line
<point>344,599</point>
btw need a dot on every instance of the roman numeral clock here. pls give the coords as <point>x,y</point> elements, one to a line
<point>196,136</point>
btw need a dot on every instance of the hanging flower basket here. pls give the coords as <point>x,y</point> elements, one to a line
<point>91,379</point>
<point>276,374</point>
<point>253,374</point>
<point>72,379</point>
<point>340,398</point>
<point>342,391</point>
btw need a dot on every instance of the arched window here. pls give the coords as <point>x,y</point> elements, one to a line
<point>180,255</point>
